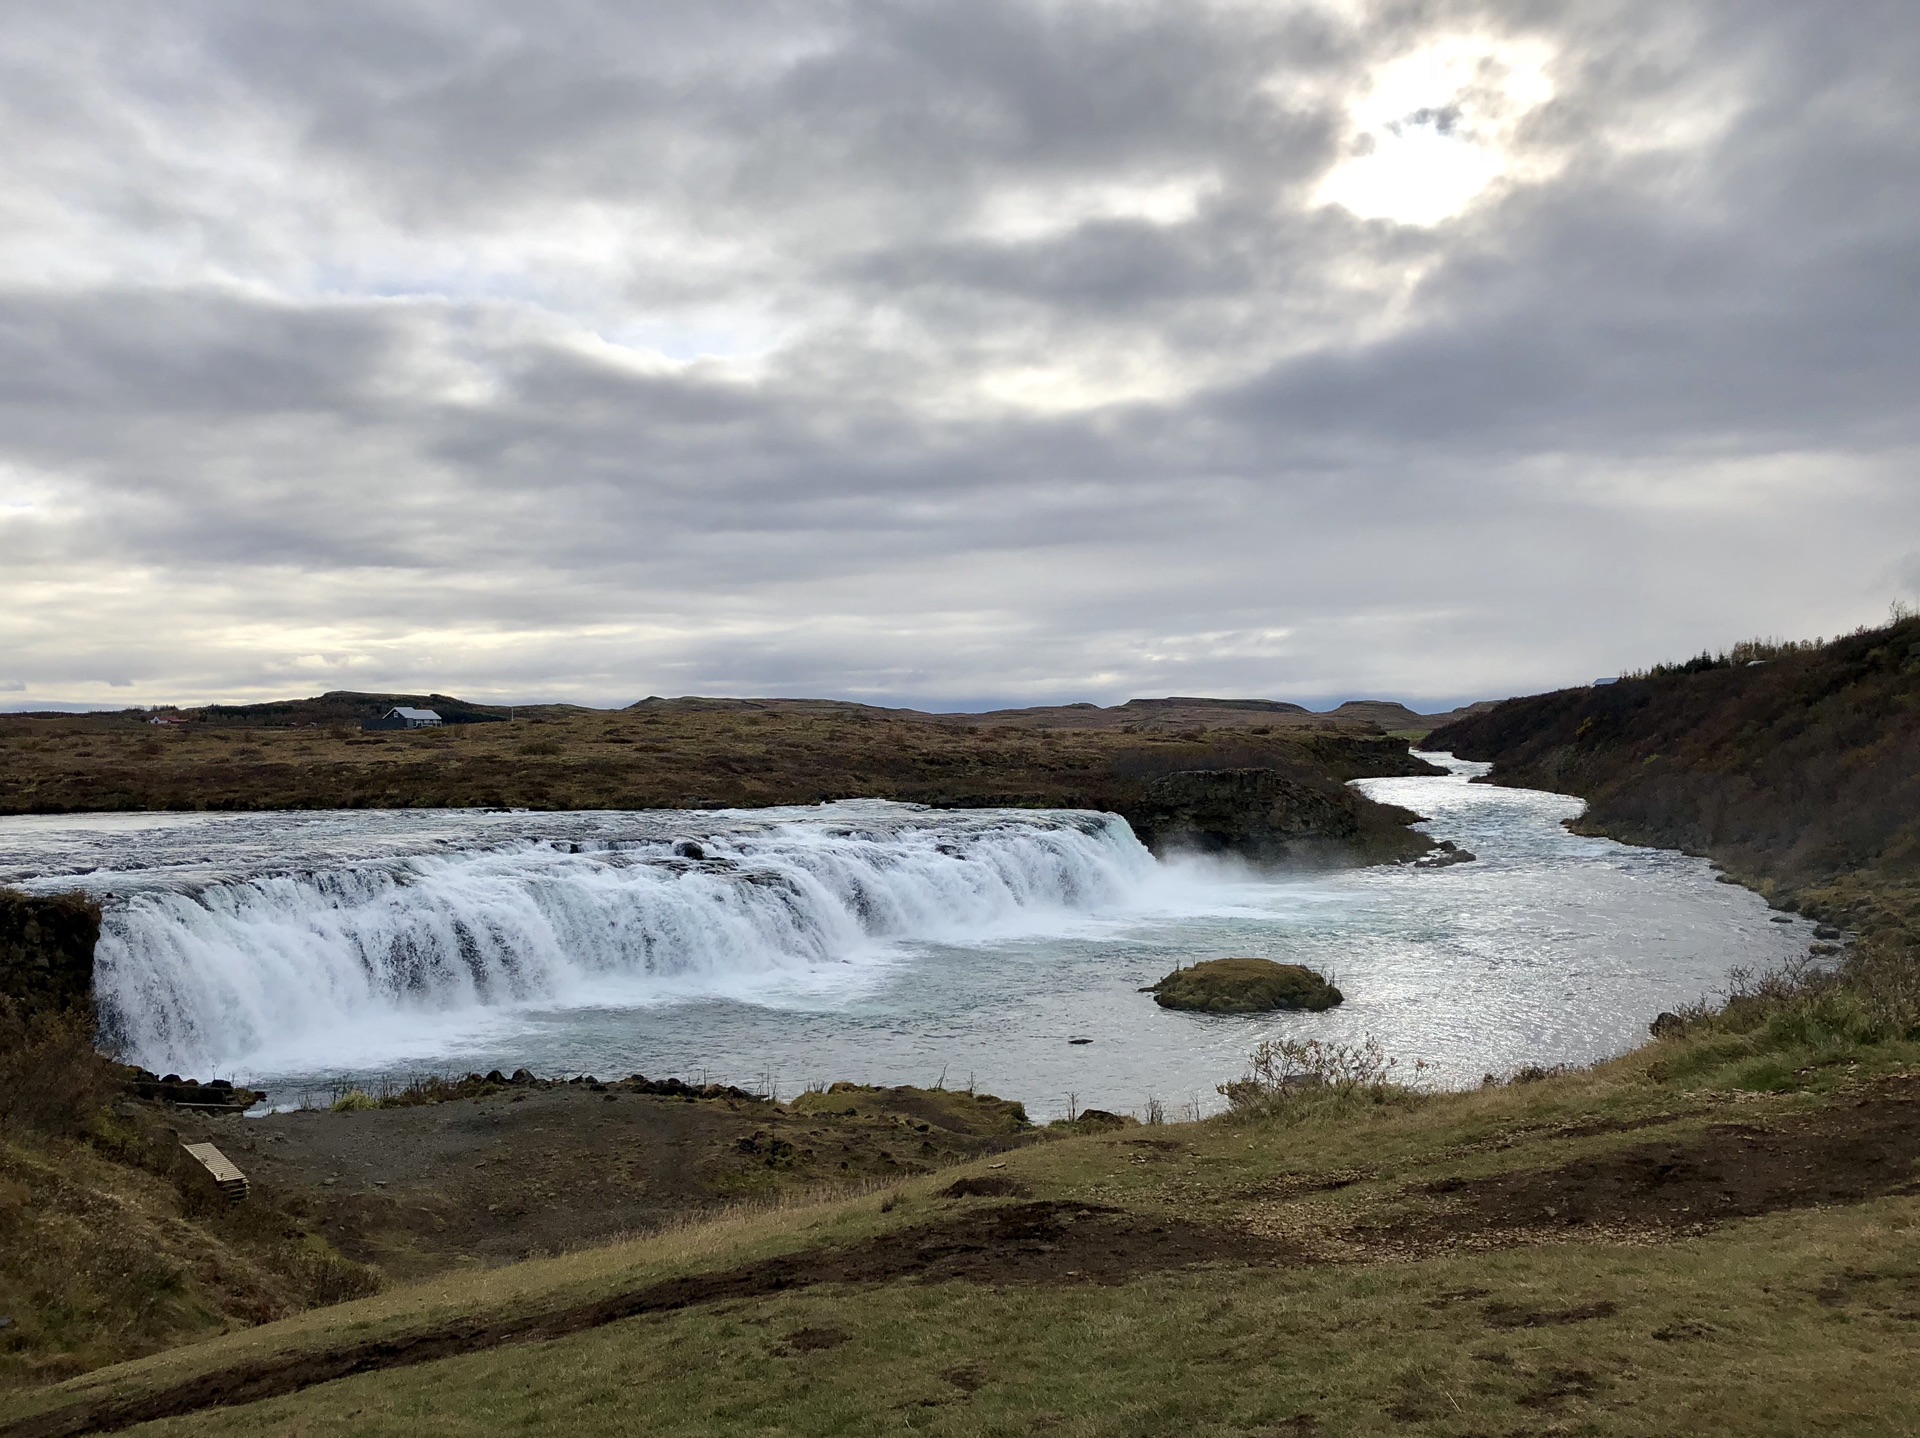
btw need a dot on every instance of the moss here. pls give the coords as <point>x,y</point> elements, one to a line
<point>1245,986</point>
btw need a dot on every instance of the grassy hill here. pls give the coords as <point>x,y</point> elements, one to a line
<point>1648,1248</point>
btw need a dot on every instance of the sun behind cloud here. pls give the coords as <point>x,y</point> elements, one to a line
<point>1435,127</point>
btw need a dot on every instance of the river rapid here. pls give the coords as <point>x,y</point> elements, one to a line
<point>865,940</point>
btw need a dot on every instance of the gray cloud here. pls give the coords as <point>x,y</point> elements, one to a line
<point>946,353</point>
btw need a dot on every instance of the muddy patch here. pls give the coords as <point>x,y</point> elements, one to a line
<point>1846,1154</point>
<point>992,1185</point>
<point>1021,1243</point>
<point>1893,1293</point>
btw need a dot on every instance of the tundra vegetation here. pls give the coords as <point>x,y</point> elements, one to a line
<point>1718,1233</point>
<point>1269,779</point>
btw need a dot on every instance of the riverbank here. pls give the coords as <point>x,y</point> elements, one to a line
<point>1794,766</point>
<point>113,1243</point>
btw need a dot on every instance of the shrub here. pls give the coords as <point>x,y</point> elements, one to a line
<point>1282,1072</point>
<point>1806,1016</point>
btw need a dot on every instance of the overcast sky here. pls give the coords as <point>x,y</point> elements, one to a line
<point>947,353</point>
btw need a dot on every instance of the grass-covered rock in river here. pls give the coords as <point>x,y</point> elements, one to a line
<point>1245,986</point>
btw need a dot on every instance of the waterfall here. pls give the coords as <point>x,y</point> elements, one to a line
<point>232,939</point>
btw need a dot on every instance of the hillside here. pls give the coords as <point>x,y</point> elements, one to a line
<point>1655,1247</point>
<point>1797,768</point>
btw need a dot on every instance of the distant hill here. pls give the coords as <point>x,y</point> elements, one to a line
<point>1397,718</point>
<point>349,707</point>
<point>346,706</point>
<point>1795,766</point>
<point>1177,712</point>
<point>1269,791</point>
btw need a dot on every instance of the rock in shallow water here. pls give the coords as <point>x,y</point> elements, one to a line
<point>1447,854</point>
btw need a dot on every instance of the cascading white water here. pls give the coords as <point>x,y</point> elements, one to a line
<point>232,940</point>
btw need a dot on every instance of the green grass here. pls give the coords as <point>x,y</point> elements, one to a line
<point>1734,1334</point>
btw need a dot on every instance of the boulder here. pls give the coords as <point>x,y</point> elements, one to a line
<point>1445,855</point>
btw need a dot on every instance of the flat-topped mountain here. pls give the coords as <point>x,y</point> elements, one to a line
<point>350,707</point>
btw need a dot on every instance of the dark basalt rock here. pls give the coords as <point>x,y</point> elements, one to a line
<point>1270,816</point>
<point>216,1095</point>
<point>1245,986</point>
<point>1448,853</point>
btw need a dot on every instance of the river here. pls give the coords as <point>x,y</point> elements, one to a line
<point>865,940</point>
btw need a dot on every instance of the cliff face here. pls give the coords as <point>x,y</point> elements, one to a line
<point>46,951</point>
<point>1800,773</point>
<point>1270,816</point>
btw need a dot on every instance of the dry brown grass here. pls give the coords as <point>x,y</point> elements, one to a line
<point>690,755</point>
<point>665,758</point>
<point>53,1082</point>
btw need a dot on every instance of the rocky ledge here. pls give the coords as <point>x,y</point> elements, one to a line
<point>1271,816</point>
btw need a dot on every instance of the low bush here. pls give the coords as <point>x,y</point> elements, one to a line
<point>1292,1077</point>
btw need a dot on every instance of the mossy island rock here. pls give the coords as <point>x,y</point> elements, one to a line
<point>1245,986</point>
